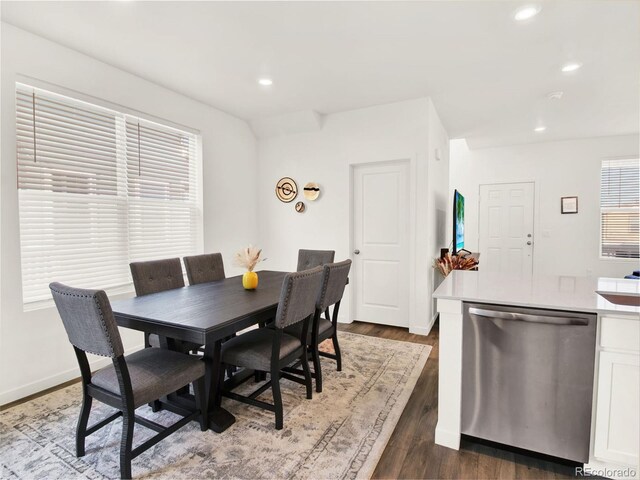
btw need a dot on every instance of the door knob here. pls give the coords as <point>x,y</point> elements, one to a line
<point>356,251</point>
<point>529,242</point>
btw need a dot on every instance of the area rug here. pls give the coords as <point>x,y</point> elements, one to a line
<point>339,434</point>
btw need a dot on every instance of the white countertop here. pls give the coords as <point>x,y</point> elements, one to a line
<point>538,291</point>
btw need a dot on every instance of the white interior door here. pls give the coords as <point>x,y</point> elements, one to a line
<point>381,243</point>
<point>506,227</point>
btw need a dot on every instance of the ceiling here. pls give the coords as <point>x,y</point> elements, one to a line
<point>488,75</point>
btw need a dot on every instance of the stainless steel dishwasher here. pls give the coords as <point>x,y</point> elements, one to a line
<point>527,378</point>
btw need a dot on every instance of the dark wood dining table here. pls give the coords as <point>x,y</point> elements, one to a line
<point>205,314</point>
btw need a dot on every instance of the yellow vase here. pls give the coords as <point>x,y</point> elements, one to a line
<point>250,280</point>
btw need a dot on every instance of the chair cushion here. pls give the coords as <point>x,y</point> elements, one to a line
<point>253,349</point>
<point>325,330</point>
<point>154,372</point>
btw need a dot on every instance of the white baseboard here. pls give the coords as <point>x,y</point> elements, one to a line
<point>54,380</point>
<point>424,330</point>
<point>420,330</point>
<point>447,439</point>
<point>344,319</point>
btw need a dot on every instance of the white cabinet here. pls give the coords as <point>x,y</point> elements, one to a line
<point>615,440</point>
<point>617,431</point>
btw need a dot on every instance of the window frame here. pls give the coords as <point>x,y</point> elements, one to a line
<point>602,209</point>
<point>21,81</point>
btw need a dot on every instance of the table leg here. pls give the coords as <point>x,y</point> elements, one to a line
<point>219,418</point>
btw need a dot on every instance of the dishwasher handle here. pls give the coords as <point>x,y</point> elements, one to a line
<point>526,317</point>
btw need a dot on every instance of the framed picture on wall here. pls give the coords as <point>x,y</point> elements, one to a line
<point>568,205</point>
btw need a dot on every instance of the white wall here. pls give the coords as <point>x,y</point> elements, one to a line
<point>34,350</point>
<point>437,204</point>
<point>396,131</point>
<point>564,244</point>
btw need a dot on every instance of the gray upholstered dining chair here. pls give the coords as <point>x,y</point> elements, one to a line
<point>334,280</point>
<point>157,276</point>
<point>314,258</point>
<point>204,268</point>
<point>131,381</point>
<point>270,349</point>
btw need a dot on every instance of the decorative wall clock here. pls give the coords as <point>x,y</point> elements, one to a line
<point>311,191</point>
<point>286,189</point>
<point>300,207</point>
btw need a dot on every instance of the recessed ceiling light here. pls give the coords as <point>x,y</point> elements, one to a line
<point>525,13</point>
<point>571,67</point>
<point>265,82</point>
<point>540,129</point>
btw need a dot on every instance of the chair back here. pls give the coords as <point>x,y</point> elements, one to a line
<point>156,276</point>
<point>314,258</point>
<point>204,268</point>
<point>299,296</point>
<point>334,279</point>
<point>88,320</point>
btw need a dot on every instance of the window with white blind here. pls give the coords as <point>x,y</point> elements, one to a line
<point>620,208</point>
<point>98,189</point>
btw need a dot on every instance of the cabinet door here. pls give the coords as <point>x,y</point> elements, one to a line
<point>618,408</point>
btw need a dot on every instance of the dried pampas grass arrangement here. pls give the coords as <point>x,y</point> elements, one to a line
<point>449,262</point>
<point>248,258</point>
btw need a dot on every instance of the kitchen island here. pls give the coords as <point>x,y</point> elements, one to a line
<point>611,370</point>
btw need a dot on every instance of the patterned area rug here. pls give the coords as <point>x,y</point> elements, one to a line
<point>341,433</point>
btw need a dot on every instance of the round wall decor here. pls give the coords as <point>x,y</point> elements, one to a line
<point>300,207</point>
<point>286,189</point>
<point>311,191</point>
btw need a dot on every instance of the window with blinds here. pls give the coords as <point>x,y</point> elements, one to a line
<point>98,189</point>
<point>620,208</point>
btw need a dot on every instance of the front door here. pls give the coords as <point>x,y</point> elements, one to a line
<point>506,227</point>
<point>380,226</point>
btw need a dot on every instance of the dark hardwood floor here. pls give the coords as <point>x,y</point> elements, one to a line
<point>411,452</point>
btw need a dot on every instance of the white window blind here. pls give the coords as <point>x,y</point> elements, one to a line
<point>162,201</point>
<point>99,189</point>
<point>620,208</point>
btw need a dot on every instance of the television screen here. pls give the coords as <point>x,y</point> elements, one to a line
<point>458,221</point>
